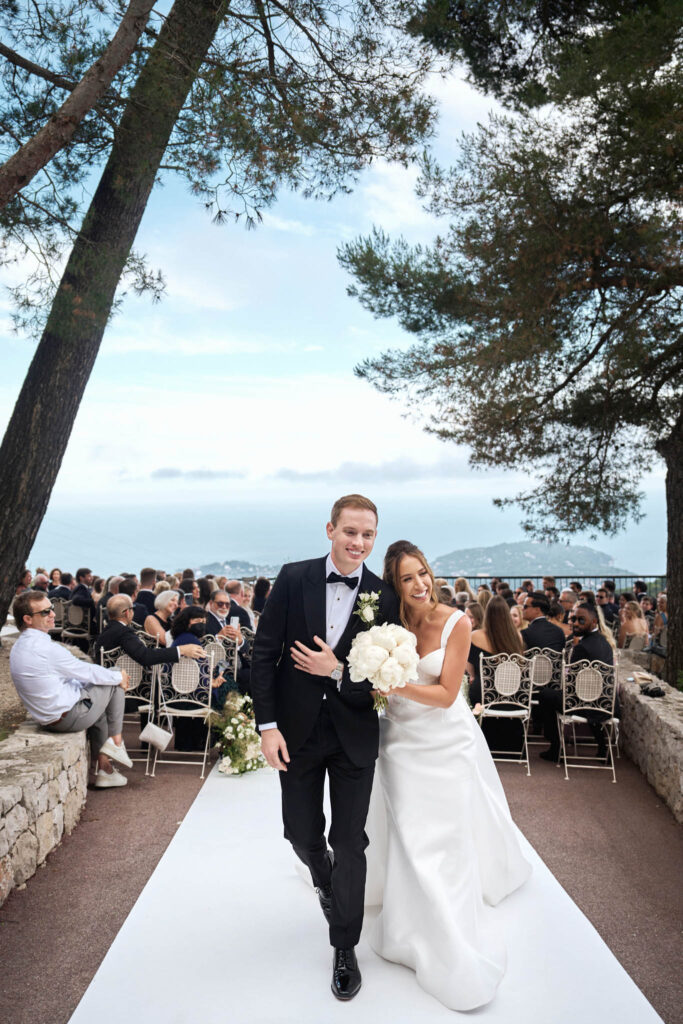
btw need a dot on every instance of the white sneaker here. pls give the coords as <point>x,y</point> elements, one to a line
<point>106,780</point>
<point>116,753</point>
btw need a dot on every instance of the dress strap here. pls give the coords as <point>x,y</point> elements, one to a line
<point>448,626</point>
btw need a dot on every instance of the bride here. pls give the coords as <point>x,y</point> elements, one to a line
<point>443,845</point>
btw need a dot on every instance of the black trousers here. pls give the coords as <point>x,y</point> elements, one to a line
<point>550,702</point>
<point>303,786</point>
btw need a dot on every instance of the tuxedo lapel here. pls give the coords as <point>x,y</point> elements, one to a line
<point>313,585</point>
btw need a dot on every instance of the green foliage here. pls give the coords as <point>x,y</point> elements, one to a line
<point>236,736</point>
<point>549,311</point>
<point>290,94</point>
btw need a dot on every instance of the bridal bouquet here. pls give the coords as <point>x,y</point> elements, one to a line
<point>237,738</point>
<point>386,656</point>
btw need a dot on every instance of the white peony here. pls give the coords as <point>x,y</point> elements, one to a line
<point>405,655</point>
<point>390,674</point>
<point>385,656</point>
<point>367,614</point>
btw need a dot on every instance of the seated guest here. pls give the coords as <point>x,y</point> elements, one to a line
<point>206,588</point>
<point>188,626</point>
<point>568,598</point>
<point>129,586</point>
<point>63,693</point>
<point>159,622</point>
<point>81,595</point>
<point>576,587</point>
<point>475,613</point>
<point>528,586</point>
<point>40,582</point>
<point>507,595</point>
<point>539,631</point>
<point>640,589</point>
<point>120,633</point>
<point>497,635</point>
<point>64,589</point>
<point>624,599</point>
<point>517,618</point>
<point>633,624</point>
<point>24,581</point>
<point>587,597</point>
<point>235,588</point>
<point>603,602</point>
<point>461,586</point>
<point>552,593</point>
<point>55,578</point>
<point>218,624</point>
<point>261,590</point>
<point>190,588</point>
<point>548,581</point>
<point>161,586</point>
<point>447,595</point>
<point>248,598</point>
<point>661,617</point>
<point>556,616</point>
<point>111,589</point>
<point>646,604</point>
<point>148,579</point>
<point>588,645</point>
<point>483,596</point>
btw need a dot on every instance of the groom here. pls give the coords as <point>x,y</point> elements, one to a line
<point>314,721</point>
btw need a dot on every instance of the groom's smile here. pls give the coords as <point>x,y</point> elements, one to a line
<point>352,537</point>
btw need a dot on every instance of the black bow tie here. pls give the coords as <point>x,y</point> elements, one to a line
<point>350,581</point>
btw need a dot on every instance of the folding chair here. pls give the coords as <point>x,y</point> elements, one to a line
<point>141,691</point>
<point>588,686</point>
<point>506,693</point>
<point>545,669</point>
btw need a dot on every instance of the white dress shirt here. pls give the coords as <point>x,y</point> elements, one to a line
<point>339,602</point>
<point>49,679</point>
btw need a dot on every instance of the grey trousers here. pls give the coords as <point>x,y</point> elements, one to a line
<point>100,712</point>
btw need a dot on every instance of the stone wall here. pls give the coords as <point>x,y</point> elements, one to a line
<point>652,735</point>
<point>43,785</point>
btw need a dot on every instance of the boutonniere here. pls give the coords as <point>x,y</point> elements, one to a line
<point>368,607</point>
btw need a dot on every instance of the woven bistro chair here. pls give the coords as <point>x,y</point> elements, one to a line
<point>545,669</point>
<point>506,693</point>
<point>141,692</point>
<point>588,686</point>
<point>59,605</point>
<point>76,623</point>
<point>248,636</point>
<point>186,683</point>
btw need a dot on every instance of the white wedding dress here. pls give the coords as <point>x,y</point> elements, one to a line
<point>442,846</point>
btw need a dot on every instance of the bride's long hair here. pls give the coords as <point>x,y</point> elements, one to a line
<point>391,573</point>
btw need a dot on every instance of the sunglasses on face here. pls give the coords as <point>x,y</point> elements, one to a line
<point>45,612</point>
<point>222,604</point>
<point>575,618</point>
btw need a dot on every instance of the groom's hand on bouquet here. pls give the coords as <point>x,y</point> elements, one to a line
<point>316,663</point>
<point>274,749</point>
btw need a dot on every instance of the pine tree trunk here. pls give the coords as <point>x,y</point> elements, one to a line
<point>672,451</point>
<point>43,417</point>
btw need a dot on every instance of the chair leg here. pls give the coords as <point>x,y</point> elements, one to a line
<point>563,747</point>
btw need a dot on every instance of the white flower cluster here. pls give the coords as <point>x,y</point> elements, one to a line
<point>385,655</point>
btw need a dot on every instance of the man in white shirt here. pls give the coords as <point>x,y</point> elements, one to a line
<point>63,693</point>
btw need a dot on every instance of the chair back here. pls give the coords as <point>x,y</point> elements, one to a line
<point>545,667</point>
<point>76,618</point>
<point>589,686</point>
<point>59,605</point>
<point>221,650</point>
<point>248,635</point>
<point>505,679</point>
<point>187,682</point>
<point>140,678</point>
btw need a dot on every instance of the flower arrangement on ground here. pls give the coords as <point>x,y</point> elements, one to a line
<point>237,737</point>
<point>386,656</point>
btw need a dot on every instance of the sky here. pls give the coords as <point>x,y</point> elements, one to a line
<point>237,389</point>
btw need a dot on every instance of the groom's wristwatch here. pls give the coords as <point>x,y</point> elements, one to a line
<point>337,672</point>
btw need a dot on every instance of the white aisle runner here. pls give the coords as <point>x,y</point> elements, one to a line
<point>225,932</point>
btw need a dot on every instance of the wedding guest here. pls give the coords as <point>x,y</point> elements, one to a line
<point>461,600</point>
<point>81,595</point>
<point>40,582</point>
<point>528,586</point>
<point>220,582</point>
<point>161,586</point>
<point>640,589</point>
<point>447,595</point>
<point>129,587</point>
<point>484,596</point>
<point>148,580</point>
<point>159,622</point>
<point>548,581</point>
<point>475,613</point>
<point>235,588</point>
<point>24,581</point>
<point>603,603</point>
<point>64,589</point>
<point>647,605</point>
<point>497,635</point>
<point>539,632</point>
<point>661,617</point>
<point>588,645</point>
<point>576,587</point>
<point>206,589</point>
<point>187,574</point>
<point>63,693</point>
<point>552,593</point>
<point>190,588</point>
<point>462,586</point>
<point>111,588</point>
<point>568,598</point>
<point>624,599</point>
<point>587,596</point>
<point>218,618</point>
<point>98,590</point>
<point>517,617</point>
<point>262,589</point>
<point>633,624</point>
<point>556,616</point>
<point>187,627</point>
<point>55,578</point>
<point>120,633</point>
<point>248,598</point>
<point>507,595</point>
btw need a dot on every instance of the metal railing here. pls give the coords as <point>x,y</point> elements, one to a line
<point>655,582</point>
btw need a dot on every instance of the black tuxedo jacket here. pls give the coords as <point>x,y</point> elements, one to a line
<point>592,647</point>
<point>82,596</point>
<point>542,633</point>
<point>117,634</point>
<point>242,614</point>
<point>60,591</point>
<point>147,597</point>
<point>295,610</point>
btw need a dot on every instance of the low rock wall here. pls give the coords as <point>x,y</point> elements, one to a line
<point>43,785</point>
<point>652,735</point>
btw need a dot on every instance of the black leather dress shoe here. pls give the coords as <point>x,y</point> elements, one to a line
<point>325,896</point>
<point>346,979</point>
<point>549,754</point>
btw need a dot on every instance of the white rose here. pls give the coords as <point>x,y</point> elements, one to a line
<point>367,614</point>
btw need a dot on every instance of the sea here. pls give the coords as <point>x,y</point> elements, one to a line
<point>176,535</point>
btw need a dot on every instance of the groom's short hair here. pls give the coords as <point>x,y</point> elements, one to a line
<point>351,501</point>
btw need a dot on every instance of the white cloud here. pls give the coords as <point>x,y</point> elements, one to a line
<point>291,227</point>
<point>389,199</point>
